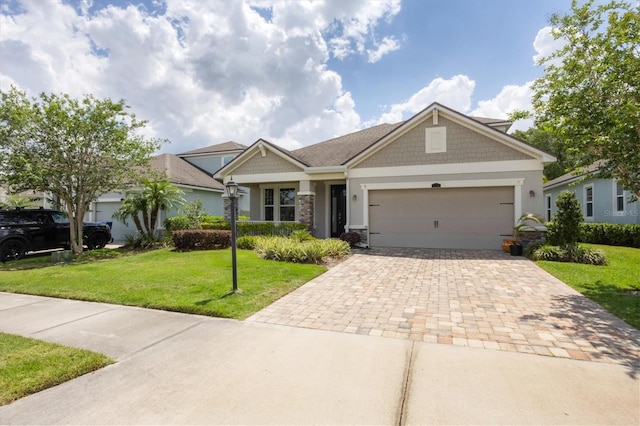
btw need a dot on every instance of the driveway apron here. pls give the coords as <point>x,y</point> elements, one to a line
<point>482,299</point>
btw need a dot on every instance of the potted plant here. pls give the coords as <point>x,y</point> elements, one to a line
<point>516,248</point>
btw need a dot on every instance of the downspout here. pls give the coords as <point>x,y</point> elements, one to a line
<point>347,201</point>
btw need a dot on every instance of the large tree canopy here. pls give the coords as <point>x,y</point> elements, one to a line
<point>589,96</point>
<point>73,149</point>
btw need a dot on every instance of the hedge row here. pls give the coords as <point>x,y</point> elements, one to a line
<point>611,234</point>
<point>177,223</point>
<point>201,239</point>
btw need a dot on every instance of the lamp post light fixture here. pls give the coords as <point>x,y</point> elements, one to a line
<point>232,194</point>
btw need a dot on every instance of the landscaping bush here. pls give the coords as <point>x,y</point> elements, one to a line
<point>550,253</point>
<point>574,253</point>
<point>177,223</point>
<point>269,228</point>
<point>289,250</point>
<point>195,239</point>
<point>352,238</point>
<point>301,235</point>
<point>248,242</point>
<point>611,234</point>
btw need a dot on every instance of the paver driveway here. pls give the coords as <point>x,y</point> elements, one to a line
<point>484,299</point>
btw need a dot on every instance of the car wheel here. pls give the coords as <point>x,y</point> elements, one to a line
<point>97,241</point>
<point>12,250</point>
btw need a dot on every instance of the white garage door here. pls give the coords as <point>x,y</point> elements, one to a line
<point>456,218</point>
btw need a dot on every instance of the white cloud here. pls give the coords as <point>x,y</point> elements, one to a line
<point>509,99</point>
<point>545,44</point>
<point>201,72</point>
<point>388,44</point>
<point>454,93</point>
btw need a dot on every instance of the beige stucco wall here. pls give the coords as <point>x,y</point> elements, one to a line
<point>463,146</point>
<point>271,163</point>
<point>532,181</point>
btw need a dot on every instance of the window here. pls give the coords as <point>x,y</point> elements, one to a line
<point>288,204</point>
<point>268,204</point>
<point>226,160</point>
<point>279,204</point>
<point>548,207</point>
<point>619,200</point>
<point>588,201</point>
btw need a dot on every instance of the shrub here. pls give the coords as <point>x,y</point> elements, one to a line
<point>351,237</point>
<point>287,249</point>
<point>216,225</point>
<point>572,253</point>
<point>550,253</point>
<point>145,241</point>
<point>564,230</point>
<point>177,223</point>
<point>611,234</point>
<point>269,228</point>
<point>248,242</point>
<point>192,239</point>
<point>591,256</point>
<point>301,235</point>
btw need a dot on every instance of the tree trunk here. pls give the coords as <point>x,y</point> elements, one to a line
<point>75,230</point>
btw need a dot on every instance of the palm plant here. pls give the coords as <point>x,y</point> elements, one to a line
<point>143,206</point>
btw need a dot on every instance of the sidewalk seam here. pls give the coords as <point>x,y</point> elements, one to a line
<point>405,386</point>
<point>162,340</point>
<point>76,319</point>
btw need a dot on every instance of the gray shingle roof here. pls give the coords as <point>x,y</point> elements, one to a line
<point>574,175</point>
<point>338,151</point>
<point>217,149</point>
<point>180,171</point>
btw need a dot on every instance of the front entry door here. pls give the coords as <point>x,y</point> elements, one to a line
<point>338,209</point>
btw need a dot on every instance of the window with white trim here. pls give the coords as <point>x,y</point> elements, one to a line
<point>588,202</point>
<point>226,159</point>
<point>548,207</point>
<point>287,204</point>
<point>619,198</point>
<point>269,206</point>
<point>279,204</point>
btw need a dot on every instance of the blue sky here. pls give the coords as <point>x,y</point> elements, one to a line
<point>295,73</point>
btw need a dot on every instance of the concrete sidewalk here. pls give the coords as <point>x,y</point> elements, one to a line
<point>184,369</point>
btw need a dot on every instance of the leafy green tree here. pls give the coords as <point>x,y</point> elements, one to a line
<point>547,141</point>
<point>144,205</point>
<point>73,149</point>
<point>589,96</point>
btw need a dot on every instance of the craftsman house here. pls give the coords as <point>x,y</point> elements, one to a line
<point>441,179</point>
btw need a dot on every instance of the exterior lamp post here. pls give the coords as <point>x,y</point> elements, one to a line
<point>232,194</point>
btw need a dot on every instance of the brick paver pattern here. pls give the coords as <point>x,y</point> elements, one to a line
<point>481,299</point>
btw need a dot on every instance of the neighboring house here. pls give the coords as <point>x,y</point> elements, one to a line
<point>191,172</point>
<point>602,200</point>
<point>440,179</point>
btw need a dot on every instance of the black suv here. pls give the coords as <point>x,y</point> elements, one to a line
<point>23,230</point>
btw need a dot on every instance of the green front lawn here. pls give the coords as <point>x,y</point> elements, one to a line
<point>28,366</point>
<point>194,282</point>
<point>608,285</point>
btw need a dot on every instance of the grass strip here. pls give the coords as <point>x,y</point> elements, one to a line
<point>28,366</point>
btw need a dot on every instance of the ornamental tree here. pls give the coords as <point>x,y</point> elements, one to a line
<point>589,96</point>
<point>73,149</point>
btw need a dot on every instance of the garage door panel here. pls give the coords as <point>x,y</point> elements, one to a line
<point>476,218</point>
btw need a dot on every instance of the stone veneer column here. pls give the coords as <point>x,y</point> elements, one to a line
<point>306,205</point>
<point>227,208</point>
